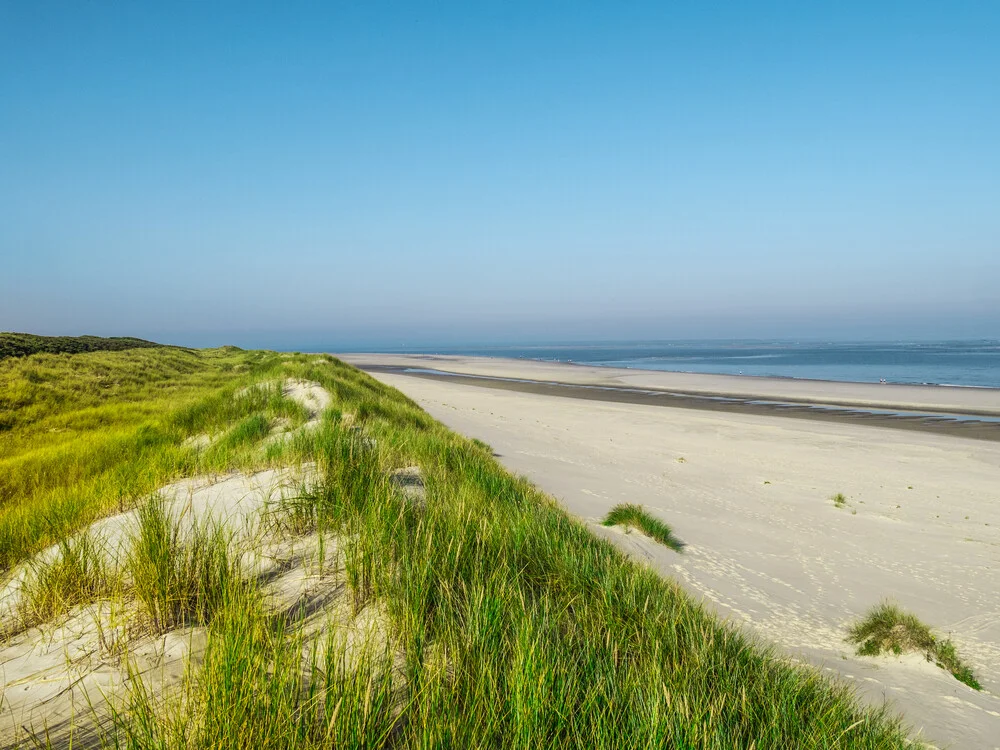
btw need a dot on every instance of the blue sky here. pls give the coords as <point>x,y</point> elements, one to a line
<point>309,174</point>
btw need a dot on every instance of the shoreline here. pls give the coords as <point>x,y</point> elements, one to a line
<point>942,398</point>
<point>621,364</point>
<point>964,417</point>
<point>791,378</point>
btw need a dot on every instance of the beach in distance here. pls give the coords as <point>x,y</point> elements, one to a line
<point>982,401</point>
<point>793,528</point>
<point>972,363</point>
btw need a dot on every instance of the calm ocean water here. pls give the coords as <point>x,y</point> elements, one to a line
<point>965,363</point>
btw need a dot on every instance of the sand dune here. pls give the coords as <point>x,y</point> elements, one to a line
<point>58,679</point>
<point>750,495</point>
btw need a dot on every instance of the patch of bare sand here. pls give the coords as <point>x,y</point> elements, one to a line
<point>58,678</point>
<point>313,397</point>
<point>766,546</point>
<point>410,482</point>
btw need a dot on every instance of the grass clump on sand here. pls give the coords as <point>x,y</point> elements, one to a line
<point>77,573</point>
<point>248,431</point>
<point>840,500</point>
<point>179,580</point>
<point>888,629</point>
<point>635,516</point>
<point>256,688</point>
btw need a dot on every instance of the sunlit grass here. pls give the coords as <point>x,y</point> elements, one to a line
<point>635,516</point>
<point>78,573</point>
<point>888,629</point>
<point>101,430</point>
<point>509,623</point>
<point>179,579</point>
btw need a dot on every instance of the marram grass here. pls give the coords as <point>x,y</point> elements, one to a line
<point>85,435</point>
<point>77,574</point>
<point>635,516</point>
<point>179,580</point>
<point>509,624</point>
<point>888,629</point>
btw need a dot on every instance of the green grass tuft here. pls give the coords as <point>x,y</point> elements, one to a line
<point>636,516</point>
<point>76,574</point>
<point>888,629</point>
<point>179,580</point>
<point>251,430</point>
<point>482,445</point>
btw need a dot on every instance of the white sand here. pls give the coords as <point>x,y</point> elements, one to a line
<point>233,500</point>
<point>750,495</point>
<point>311,395</point>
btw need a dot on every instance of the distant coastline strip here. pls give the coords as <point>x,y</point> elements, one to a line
<point>974,426</point>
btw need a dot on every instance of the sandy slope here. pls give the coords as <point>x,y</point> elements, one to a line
<point>57,675</point>
<point>750,495</point>
<point>56,678</point>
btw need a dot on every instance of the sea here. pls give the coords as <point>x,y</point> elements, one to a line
<point>953,363</point>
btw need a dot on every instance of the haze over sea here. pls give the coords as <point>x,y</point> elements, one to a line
<point>958,363</point>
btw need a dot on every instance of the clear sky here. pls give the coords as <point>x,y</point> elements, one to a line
<point>306,174</point>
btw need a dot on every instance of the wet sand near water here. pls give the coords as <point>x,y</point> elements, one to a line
<point>978,429</point>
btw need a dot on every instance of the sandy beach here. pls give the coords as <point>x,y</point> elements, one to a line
<point>922,398</point>
<point>750,495</point>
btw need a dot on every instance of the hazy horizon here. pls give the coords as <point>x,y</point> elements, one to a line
<point>319,343</point>
<point>432,175</point>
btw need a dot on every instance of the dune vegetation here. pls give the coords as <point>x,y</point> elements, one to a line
<point>636,517</point>
<point>503,620</point>
<point>888,629</point>
<point>83,435</point>
<point>23,344</point>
